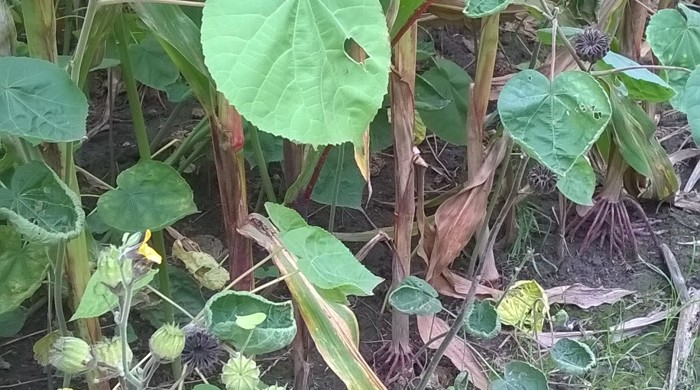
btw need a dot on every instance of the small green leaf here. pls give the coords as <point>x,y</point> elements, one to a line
<point>481,320</point>
<point>415,296</point>
<point>275,332</point>
<point>352,184</point>
<point>555,122</point>
<point>674,37</point>
<point>40,102</point>
<point>149,195</point>
<point>271,272</point>
<point>98,299</point>
<point>251,321</point>
<point>579,183</point>
<point>284,218</point>
<point>480,8</point>
<point>151,64</point>
<point>328,263</point>
<point>544,35</point>
<point>40,205</point>
<point>521,376</point>
<point>691,100</point>
<point>641,84</point>
<point>285,65</point>
<point>428,98</point>
<point>22,268</point>
<point>452,82</point>
<point>11,322</point>
<point>572,357</point>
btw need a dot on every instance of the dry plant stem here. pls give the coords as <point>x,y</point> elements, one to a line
<point>396,360</point>
<point>293,160</point>
<point>230,169</point>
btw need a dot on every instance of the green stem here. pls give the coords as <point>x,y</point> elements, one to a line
<point>336,187</point>
<point>197,152</point>
<point>602,73</point>
<point>312,159</point>
<point>59,268</point>
<point>200,131</point>
<point>169,122</point>
<point>262,165</point>
<point>123,325</point>
<point>82,45</point>
<point>67,27</point>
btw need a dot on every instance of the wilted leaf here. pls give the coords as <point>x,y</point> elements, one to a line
<point>149,195</point>
<point>40,102</point>
<point>481,320</point>
<point>298,83</point>
<point>42,347</point>
<point>555,122</point>
<point>40,205</point>
<point>572,357</point>
<point>525,306</point>
<point>23,268</point>
<point>521,376</point>
<point>641,84</point>
<point>415,296</point>
<point>275,332</point>
<point>202,266</point>
<point>98,299</point>
<point>585,297</point>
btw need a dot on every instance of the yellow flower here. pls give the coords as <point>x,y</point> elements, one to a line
<point>146,251</point>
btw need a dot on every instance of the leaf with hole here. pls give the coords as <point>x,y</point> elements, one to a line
<point>286,66</point>
<point>40,102</point>
<point>452,82</point>
<point>578,185</point>
<point>674,37</point>
<point>275,332</point>
<point>481,8</point>
<point>151,64</point>
<point>23,268</point>
<point>572,357</point>
<point>415,296</point>
<point>481,320</point>
<point>521,376</point>
<point>37,202</point>
<point>641,84</point>
<point>555,122</point>
<point>149,195</point>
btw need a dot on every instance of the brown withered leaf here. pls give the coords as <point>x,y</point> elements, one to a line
<point>585,297</point>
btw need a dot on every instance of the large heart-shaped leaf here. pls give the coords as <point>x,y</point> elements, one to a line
<point>340,170</point>
<point>40,205</point>
<point>641,84</point>
<point>149,195</point>
<point>151,64</point>
<point>275,332</point>
<point>481,320</point>
<point>579,183</point>
<point>286,66</point>
<point>40,102</point>
<point>572,357</point>
<point>481,8</point>
<point>22,268</point>
<point>674,37</point>
<point>451,82</point>
<point>555,122</point>
<point>416,297</point>
<point>521,376</point>
<point>691,100</point>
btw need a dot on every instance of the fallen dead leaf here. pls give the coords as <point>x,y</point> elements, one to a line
<point>585,297</point>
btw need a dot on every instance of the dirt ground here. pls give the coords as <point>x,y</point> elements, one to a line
<point>639,363</point>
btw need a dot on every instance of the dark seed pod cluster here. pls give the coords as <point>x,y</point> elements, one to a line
<point>202,349</point>
<point>542,180</point>
<point>591,44</point>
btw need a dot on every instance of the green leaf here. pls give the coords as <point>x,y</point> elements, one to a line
<point>149,195</point>
<point>521,376</point>
<point>572,357</point>
<point>556,122</point>
<point>204,386</point>
<point>452,82</point>
<point>250,321</point>
<point>284,218</point>
<point>11,322</point>
<point>481,8</point>
<point>380,134</point>
<point>185,291</point>
<point>274,333</point>
<point>415,296</point>
<point>579,183</point>
<point>40,102</point>
<point>674,37</point>
<point>272,146</point>
<point>691,100</point>
<point>544,35</point>
<point>40,205</point>
<point>98,299</point>
<point>427,97</point>
<point>284,65</point>
<point>351,183</point>
<point>641,84</point>
<point>22,268</point>
<point>328,263</point>
<point>178,91</point>
<point>481,320</point>
<point>406,9</point>
<point>151,64</point>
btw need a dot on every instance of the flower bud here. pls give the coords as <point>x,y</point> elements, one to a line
<point>240,373</point>
<point>71,355</point>
<point>109,353</point>
<point>114,271</point>
<point>167,343</point>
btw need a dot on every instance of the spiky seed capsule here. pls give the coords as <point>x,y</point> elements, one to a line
<point>108,355</point>
<point>240,373</point>
<point>114,270</point>
<point>167,343</point>
<point>542,180</point>
<point>591,44</point>
<point>202,349</point>
<point>71,355</point>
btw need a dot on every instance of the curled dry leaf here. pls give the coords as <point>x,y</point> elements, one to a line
<point>585,297</point>
<point>205,269</point>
